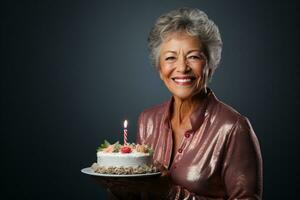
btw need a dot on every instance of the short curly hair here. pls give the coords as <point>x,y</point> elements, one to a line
<point>195,23</point>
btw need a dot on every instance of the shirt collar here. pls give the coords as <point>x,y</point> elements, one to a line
<point>197,116</point>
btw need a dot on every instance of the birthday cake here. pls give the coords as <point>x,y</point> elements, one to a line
<point>124,159</point>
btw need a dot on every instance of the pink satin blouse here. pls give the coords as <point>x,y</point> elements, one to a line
<point>219,158</point>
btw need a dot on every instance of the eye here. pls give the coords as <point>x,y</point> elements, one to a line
<point>170,58</point>
<point>194,57</point>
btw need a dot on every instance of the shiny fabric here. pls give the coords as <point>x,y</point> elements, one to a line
<point>219,158</point>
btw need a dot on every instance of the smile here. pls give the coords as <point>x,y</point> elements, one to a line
<point>183,81</point>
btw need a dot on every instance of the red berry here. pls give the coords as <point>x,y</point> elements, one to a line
<point>125,149</point>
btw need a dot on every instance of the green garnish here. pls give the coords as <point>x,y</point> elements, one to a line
<point>103,146</point>
<point>117,147</point>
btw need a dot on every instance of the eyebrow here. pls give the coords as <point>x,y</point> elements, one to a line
<point>194,50</point>
<point>169,51</point>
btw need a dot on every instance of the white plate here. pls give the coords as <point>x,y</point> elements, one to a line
<point>89,171</point>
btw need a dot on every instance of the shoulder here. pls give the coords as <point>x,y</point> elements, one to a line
<point>226,113</point>
<point>227,118</point>
<point>235,128</point>
<point>156,111</point>
<point>149,122</point>
<point>240,125</point>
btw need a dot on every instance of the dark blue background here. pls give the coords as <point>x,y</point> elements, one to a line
<point>72,71</point>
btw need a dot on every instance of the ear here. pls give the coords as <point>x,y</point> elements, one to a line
<point>160,74</point>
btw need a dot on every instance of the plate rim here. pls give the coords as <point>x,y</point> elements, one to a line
<point>92,173</point>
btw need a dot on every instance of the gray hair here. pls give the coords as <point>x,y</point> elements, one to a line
<point>195,23</point>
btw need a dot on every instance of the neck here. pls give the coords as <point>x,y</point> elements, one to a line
<point>183,109</point>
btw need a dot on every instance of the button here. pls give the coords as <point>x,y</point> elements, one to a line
<point>187,135</point>
<point>180,150</point>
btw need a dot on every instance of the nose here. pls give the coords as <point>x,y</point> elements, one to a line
<point>181,65</point>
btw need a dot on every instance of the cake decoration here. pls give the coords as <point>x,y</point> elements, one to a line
<point>129,158</point>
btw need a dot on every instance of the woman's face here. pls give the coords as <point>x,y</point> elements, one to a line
<point>181,65</point>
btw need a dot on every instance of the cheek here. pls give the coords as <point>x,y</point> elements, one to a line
<point>165,71</point>
<point>198,70</point>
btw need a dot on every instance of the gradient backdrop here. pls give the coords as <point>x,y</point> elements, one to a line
<point>72,71</point>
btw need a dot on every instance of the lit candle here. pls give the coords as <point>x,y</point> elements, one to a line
<point>125,132</point>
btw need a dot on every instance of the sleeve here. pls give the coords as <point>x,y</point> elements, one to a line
<point>241,170</point>
<point>242,166</point>
<point>140,130</point>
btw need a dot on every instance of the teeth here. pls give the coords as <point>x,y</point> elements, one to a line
<point>183,80</point>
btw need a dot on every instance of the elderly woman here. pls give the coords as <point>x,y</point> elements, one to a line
<point>208,148</point>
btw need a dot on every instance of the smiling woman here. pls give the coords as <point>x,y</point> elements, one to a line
<point>181,65</point>
<point>209,150</point>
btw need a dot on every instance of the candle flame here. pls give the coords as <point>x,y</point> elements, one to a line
<point>125,123</point>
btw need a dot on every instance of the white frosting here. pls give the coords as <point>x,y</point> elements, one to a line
<point>133,159</point>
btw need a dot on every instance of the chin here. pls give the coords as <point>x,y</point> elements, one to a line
<point>182,96</point>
